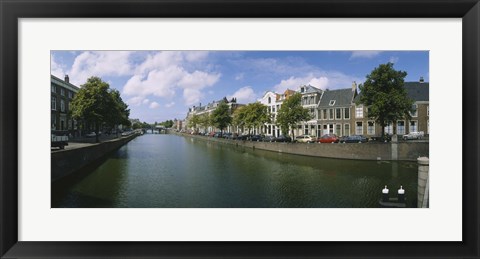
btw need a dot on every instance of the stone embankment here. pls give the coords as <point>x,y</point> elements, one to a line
<point>401,151</point>
<point>69,161</point>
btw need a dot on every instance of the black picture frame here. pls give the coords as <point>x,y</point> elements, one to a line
<point>11,11</point>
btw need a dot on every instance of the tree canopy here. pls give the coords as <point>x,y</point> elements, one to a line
<point>96,104</point>
<point>384,94</point>
<point>221,117</point>
<point>193,122</point>
<point>255,115</point>
<point>291,113</point>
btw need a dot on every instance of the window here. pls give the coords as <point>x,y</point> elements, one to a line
<point>62,91</point>
<point>359,112</point>
<point>269,100</point>
<point>54,103</point>
<point>338,114</point>
<point>346,129</point>
<point>428,110</point>
<point>312,112</point>
<point>273,108</point>
<point>62,105</point>
<point>70,95</point>
<point>389,128</point>
<point>359,128</point>
<point>54,121</point>
<point>371,128</point>
<point>338,129</point>
<point>413,126</point>
<point>302,89</point>
<point>346,114</point>
<point>400,127</point>
<point>324,114</point>
<point>414,108</point>
<point>330,114</point>
<point>331,103</point>
<point>54,90</point>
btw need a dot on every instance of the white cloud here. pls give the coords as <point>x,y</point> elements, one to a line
<point>146,101</point>
<point>365,54</point>
<point>239,76</point>
<point>135,101</point>
<point>164,73</point>
<point>168,105</point>
<point>393,60</point>
<point>154,105</point>
<point>244,95</point>
<point>55,68</point>
<point>321,80</point>
<point>100,63</point>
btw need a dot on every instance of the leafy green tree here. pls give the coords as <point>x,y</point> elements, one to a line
<point>193,122</point>
<point>256,115</point>
<point>93,104</point>
<point>204,120</point>
<point>291,113</point>
<point>221,116</point>
<point>238,117</point>
<point>119,111</point>
<point>385,96</point>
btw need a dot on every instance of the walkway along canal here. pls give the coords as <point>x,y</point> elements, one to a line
<point>171,171</point>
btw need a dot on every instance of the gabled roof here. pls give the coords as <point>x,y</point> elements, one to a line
<point>342,98</point>
<point>309,89</point>
<point>418,91</point>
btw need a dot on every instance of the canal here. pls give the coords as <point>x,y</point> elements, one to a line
<point>171,171</point>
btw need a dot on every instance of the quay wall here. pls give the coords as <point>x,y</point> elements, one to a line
<point>402,151</point>
<point>66,162</point>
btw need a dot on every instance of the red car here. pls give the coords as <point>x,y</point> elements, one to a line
<point>329,138</point>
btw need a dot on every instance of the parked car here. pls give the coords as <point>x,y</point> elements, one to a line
<point>329,138</point>
<point>227,135</point>
<point>414,135</point>
<point>59,139</point>
<point>268,139</point>
<point>385,138</point>
<point>305,139</point>
<point>354,139</point>
<point>255,137</point>
<point>283,138</point>
<point>243,137</point>
<point>92,135</point>
<point>217,135</point>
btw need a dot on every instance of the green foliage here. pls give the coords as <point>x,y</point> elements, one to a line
<point>385,95</point>
<point>204,120</point>
<point>253,115</point>
<point>193,122</point>
<point>220,117</point>
<point>96,104</point>
<point>166,124</point>
<point>291,113</point>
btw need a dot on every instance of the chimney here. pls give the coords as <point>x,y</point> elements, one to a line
<point>67,79</point>
<point>421,79</point>
<point>354,86</point>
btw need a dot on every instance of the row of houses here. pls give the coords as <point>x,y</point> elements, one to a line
<point>62,93</point>
<point>336,112</point>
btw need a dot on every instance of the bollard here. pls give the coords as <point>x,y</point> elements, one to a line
<point>385,194</point>
<point>401,195</point>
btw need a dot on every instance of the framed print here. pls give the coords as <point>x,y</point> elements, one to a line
<point>220,183</point>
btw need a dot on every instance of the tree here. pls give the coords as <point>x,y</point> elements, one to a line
<point>204,120</point>
<point>119,111</point>
<point>193,122</point>
<point>95,104</point>
<point>221,117</point>
<point>256,115</point>
<point>385,96</point>
<point>238,117</point>
<point>291,113</point>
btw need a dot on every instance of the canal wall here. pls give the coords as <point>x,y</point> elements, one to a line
<point>402,151</point>
<point>66,162</point>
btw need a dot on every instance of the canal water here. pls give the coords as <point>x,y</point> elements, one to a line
<point>171,171</point>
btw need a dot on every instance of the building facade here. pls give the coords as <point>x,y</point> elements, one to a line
<point>62,93</point>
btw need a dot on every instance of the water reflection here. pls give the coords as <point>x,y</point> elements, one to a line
<point>169,171</point>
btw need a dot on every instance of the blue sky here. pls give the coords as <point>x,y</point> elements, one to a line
<point>162,85</point>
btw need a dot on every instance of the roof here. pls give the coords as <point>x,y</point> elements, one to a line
<point>342,98</point>
<point>310,89</point>
<point>61,82</point>
<point>417,91</point>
